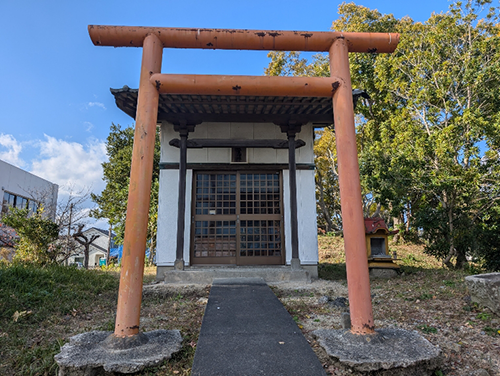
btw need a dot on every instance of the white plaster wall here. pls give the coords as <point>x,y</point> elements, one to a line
<point>22,183</point>
<point>306,212</point>
<point>168,195</point>
<point>101,241</point>
<point>250,131</point>
<point>167,217</point>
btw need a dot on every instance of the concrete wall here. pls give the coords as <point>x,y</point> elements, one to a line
<point>169,178</point>
<point>22,183</point>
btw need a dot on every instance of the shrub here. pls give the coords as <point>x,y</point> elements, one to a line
<point>35,236</point>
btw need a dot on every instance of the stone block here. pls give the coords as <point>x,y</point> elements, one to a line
<point>388,352</point>
<point>94,353</point>
<point>485,290</point>
<point>383,273</point>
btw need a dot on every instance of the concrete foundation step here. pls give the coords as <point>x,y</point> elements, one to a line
<point>206,275</point>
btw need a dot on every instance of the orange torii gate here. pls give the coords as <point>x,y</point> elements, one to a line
<point>152,83</point>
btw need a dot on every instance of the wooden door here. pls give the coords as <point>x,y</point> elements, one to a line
<point>237,218</point>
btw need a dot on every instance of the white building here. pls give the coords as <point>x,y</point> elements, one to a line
<point>21,189</point>
<point>242,155</point>
<point>237,212</point>
<point>98,250</point>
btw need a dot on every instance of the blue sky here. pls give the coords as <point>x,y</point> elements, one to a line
<point>55,104</point>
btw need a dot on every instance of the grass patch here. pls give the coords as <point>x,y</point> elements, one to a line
<point>40,308</point>
<point>483,316</point>
<point>332,272</point>
<point>427,329</point>
<point>491,331</point>
<point>49,290</point>
<point>34,301</point>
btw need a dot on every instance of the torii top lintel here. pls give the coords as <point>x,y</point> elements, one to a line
<point>242,39</point>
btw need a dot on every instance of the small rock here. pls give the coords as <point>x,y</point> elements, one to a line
<point>202,301</point>
<point>346,320</point>
<point>323,300</point>
<point>339,302</point>
<point>481,372</point>
<point>494,322</point>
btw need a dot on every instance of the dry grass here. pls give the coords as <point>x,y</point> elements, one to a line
<point>56,303</point>
<point>425,297</point>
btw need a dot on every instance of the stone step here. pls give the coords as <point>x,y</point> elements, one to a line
<point>206,274</point>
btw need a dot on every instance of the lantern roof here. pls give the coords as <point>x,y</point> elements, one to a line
<point>372,225</point>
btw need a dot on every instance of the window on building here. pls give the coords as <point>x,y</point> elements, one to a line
<point>238,155</point>
<point>33,206</point>
<point>19,202</point>
<point>8,201</point>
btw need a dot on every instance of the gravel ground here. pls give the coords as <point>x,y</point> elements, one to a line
<point>455,326</point>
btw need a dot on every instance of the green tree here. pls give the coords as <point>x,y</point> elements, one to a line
<point>327,183</point>
<point>370,113</point>
<point>444,78</point>
<point>429,138</point>
<point>112,202</point>
<point>36,236</point>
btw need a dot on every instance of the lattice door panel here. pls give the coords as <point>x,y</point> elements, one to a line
<point>237,219</point>
<point>260,238</point>
<point>215,239</point>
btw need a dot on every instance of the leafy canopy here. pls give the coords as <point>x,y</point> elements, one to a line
<point>429,137</point>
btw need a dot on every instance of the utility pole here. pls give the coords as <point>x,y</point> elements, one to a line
<point>109,243</point>
<point>69,230</point>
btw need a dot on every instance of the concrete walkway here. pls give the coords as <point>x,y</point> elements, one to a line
<point>246,331</point>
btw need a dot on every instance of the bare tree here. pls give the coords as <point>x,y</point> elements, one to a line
<point>85,241</point>
<point>69,214</point>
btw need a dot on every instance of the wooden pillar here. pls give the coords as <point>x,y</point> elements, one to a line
<point>183,130</point>
<point>291,130</point>
<point>358,281</point>
<point>141,173</point>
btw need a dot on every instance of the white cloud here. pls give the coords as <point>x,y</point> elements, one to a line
<point>88,126</point>
<point>96,104</point>
<point>101,223</point>
<point>11,155</point>
<point>71,165</point>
